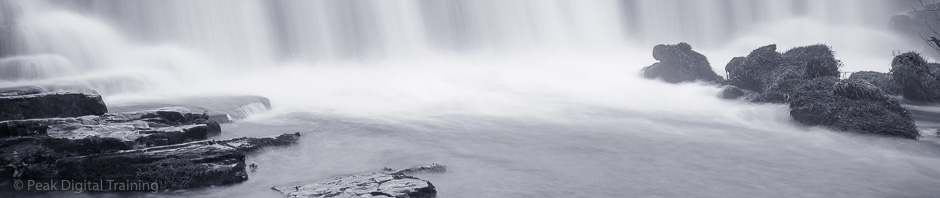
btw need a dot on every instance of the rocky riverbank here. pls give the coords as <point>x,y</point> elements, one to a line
<point>69,134</point>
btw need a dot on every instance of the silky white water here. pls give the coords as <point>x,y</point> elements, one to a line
<point>517,98</point>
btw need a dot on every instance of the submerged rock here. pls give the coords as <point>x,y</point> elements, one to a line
<point>193,164</point>
<point>919,80</point>
<point>774,76</point>
<point>679,63</point>
<point>28,104</point>
<point>851,105</point>
<point>883,81</point>
<point>387,183</point>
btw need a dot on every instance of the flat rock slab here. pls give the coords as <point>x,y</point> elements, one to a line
<point>21,90</point>
<point>164,126</point>
<point>193,164</point>
<point>133,136</point>
<point>388,183</point>
<point>25,103</point>
<point>221,109</point>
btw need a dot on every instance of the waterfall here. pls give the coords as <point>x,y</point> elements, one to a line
<point>95,39</point>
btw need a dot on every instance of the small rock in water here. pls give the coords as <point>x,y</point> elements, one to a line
<point>429,168</point>
<point>387,183</point>
<point>732,92</point>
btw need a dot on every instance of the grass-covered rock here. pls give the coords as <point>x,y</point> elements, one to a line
<point>918,79</point>
<point>851,105</point>
<point>808,79</point>
<point>774,76</point>
<point>883,81</point>
<point>678,63</point>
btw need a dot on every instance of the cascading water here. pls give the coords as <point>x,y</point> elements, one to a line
<point>524,98</point>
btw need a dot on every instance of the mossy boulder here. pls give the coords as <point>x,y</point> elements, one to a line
<point>918,79</point>
<point>774,76</point>
<point>851,105</point>
<point>808,79</point>
<point>883,81</point>
<point>679,63</point>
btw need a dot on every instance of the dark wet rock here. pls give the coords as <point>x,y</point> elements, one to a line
<point>51,105</point>
<point>918,79</point>
<point>775,76</point>
<point>731,92</point>
<point>387,183</point>
<point>883,81</point>
<point>679,63</point>
<point>193,164</point>
<point>851,105</point>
